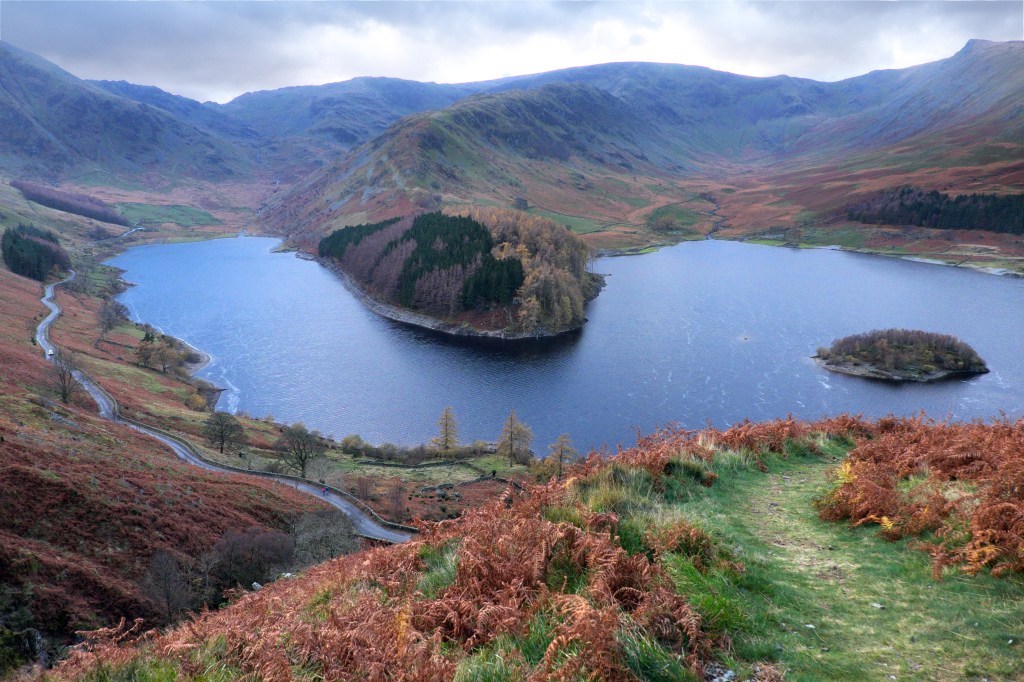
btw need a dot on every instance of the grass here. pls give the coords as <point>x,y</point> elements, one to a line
<point>802,572</point>
<point>821,600</point>
<point>683,217</point>
<point>185,216</point>
<point>847,238</point>
<point>441,563</point>
<point>577,224</point>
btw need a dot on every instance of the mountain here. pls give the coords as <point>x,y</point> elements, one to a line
<point>592,142</point>
<point>53,125</point>
<point>345,114</point>
<point>201,116</point>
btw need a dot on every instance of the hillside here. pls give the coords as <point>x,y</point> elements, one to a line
<point>608,149</point>
<point>688,556</point>
<point>54,125</point>
<point>84,503</point>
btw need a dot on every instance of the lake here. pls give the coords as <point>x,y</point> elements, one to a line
<point>704,331</point>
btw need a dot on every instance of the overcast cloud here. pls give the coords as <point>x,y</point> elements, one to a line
<point>218,49</point>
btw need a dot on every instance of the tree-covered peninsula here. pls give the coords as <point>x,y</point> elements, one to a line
<point>901,355</point>
<point>489,272</point>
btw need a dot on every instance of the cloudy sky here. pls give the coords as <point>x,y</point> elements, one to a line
<point>216,50</point>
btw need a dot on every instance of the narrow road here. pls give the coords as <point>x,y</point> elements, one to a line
<point>108,409</point>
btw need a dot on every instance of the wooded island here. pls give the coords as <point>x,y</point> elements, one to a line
<point>491,272</point>
<point>901,355</point>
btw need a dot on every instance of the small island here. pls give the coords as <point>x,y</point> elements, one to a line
<point>901,355</point>
<point>489,272</point>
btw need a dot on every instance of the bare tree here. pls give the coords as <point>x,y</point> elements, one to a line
<point>323,535</point>
<point>253,555</point>
<point>165,583</point>
<point>363,487</point>
<point>514,441</point>
<point>448,431</point>
<point>222,430</point>
<point>110,315</point>
<point>62,372</point>
<point>397,499</point>
<point>300,447</point>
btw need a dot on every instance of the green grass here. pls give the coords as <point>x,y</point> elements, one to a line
<point>649,661</point>
<point>847,238</point>
<point>577,224</point>
<point>186,216</point>
<point>683,217</point>
<point>802,571</point>
<point>442,565</point>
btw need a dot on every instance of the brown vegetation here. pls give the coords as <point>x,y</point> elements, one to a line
<point>85,503</point>
<point>380,615</point>
<point>957,485</point>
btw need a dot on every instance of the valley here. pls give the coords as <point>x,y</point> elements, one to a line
<point>492,209</point>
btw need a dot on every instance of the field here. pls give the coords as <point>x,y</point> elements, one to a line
<point>185,216</point>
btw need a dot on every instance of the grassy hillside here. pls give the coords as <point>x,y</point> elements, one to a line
<point>689,553</point>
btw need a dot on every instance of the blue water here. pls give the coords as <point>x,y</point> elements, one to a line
<point>710,330</point>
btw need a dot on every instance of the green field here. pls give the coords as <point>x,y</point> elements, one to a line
<point>185,216</point>
<point>577,224</point>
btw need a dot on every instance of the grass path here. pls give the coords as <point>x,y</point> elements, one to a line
<point>806,572</point>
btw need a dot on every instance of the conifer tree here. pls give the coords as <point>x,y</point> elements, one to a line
<point>515,438</point>
<point>448,431</point>
<point>563,452</point>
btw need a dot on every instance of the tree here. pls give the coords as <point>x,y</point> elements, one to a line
<point>448,431</point>
<point>110,315</point>
<point>63,370</point>
<point>397,499</point>
<point>253,555</point>
<point>222,430</point>
<point>300,447</point>
<point>515,439</point>
<point>563,452</point>
<point>166,355</point>
<point>363,487</point>
<point>323,535</point>
<point>144,351</point>
<point>166,585</point>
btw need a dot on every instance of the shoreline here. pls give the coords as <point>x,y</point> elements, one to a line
<point>893,376</point>
<point>396,314</point>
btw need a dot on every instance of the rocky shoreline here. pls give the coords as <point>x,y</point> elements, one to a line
<point>871,372</point>
<point>426,321</point>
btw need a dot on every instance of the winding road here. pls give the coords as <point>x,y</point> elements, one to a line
<point>365,525</point>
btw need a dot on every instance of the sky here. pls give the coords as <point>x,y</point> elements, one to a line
<point>219,49</point>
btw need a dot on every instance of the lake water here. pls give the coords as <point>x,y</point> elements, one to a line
<point>709,330</point>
